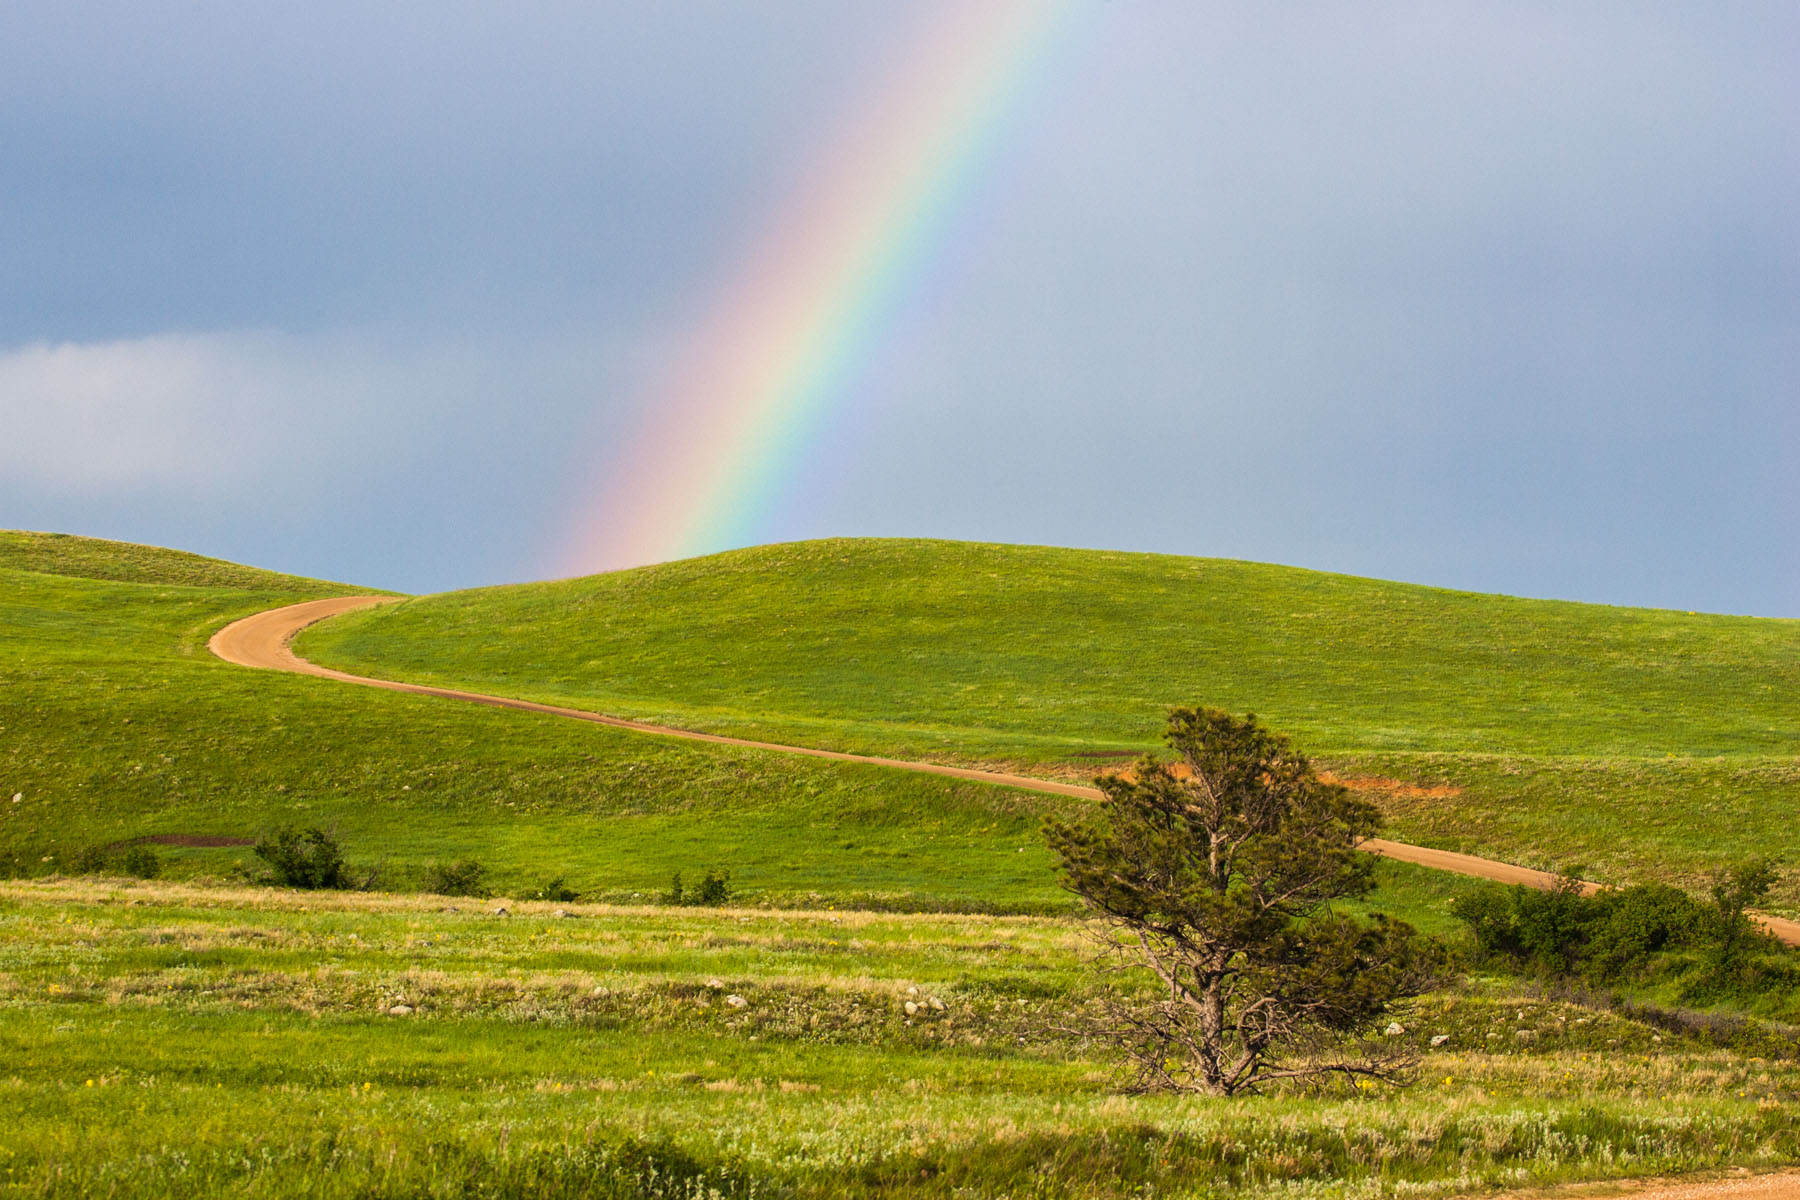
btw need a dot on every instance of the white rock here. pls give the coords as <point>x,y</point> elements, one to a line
<point>1440,1039</point>
<point>18,796</point>
<point>912,991</point>
<point>1395,1029</point>
<point>501,911</point>
<point>936,1004</point>
<point>559,913</point>
<point>400,1010</point>
<point>736,1001</point>
<point>715,984</point>
<point>911,1008</point>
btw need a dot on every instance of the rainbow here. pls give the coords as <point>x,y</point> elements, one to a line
<point>763,369</point>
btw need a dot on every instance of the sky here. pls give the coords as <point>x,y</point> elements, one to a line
<point>1496,297</point>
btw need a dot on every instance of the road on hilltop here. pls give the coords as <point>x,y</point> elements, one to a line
<point>265,641</point>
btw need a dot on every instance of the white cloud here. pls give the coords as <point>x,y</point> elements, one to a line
<point>196,414</point>
<point>209,416</point>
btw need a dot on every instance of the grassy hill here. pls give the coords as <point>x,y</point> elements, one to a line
<point>195,1036</point>
<point>1639,743</point>
<point>116,725</point>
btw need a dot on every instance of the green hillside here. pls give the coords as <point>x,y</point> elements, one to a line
<point>117,725</point>
<point>190,1035</point>
<point>127,562</point>
<point>1029,651</point>
<point>1638,743</point>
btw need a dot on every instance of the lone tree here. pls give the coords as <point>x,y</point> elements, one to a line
<point>1218,872</point>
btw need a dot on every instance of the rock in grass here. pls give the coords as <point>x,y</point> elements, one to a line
<point>1440,1039</point>
<point>400,1010</point>
<point>1396,1029</point>
<point>736,1001</point>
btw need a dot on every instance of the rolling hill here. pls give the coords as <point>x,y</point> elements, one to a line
<point>196,1036</point>
<point>1637,743</point>
<point>117,726</point>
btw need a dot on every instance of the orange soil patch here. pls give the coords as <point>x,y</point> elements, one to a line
<point>1393,787</point>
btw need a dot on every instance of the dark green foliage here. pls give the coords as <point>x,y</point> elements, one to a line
<point>460,878</point>
<point>1218,874</point>
<point>308,858</point>
<point>1634,934</point>
<point>713,889</point>
<point>1603,936</point>
<point>140,862</point>
<point>1735,889</point>
<point>557,890</point>
<point>135,859</point>
<point>91,860</point>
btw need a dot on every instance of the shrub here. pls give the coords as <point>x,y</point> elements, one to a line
<point>141,862</point>
<point>713,889</point>
<point>556,890</point>
<point>136,860</point>
<point>308,858</point>
<point>1631,934</point>
<point>460,878</point>
<point>90,860</point>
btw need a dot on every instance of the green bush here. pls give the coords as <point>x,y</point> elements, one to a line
<point>460,878</point>
<point>556,890</point>
<point>90,860</point>
<point>1636,935</point>
<point>308,858</point>
<point>714,889</point>
<point>140,862</point>
<point>136,860</point>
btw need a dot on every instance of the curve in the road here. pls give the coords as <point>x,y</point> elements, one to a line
<point>265,641</point>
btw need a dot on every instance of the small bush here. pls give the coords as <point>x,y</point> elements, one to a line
<point>140,862</point>
<point>91,860</point>
<point>309,859</point>
<point>460,878</point>
<point>556,890</point>
<point>136,860</point>
<point>714,889</point>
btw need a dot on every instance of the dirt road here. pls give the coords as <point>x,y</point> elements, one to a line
<point>264,641</point>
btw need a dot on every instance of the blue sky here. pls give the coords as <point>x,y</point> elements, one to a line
<point>1495,297</point>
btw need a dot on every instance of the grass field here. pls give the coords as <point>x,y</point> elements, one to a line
<point>196,1036</point>
<point>1638,743</point>
<point>118,725</point>
<point>601,1054</point>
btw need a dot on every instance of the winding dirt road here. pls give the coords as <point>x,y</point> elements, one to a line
<point>265,641</point>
